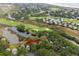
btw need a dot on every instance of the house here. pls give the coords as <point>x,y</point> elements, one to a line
<point>74,27</point>
<point>77,17</point>
<point>62,19</point>
<point>77,26</point>
<point>44,20</point>
<point>61,22</point>
<point>10,17</point>
<point>22,18</point>
<point>70,26</point>
<point>65,25</point>
<point>51,21</point>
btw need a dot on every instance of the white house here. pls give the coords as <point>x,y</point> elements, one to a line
<point>10,17</point>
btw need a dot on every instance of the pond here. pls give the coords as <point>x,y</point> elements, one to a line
<point>12,38</point>
<point>22,34</point>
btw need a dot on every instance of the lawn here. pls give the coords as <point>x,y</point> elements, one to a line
<point>15,23</point>
<point>71,20</point>
<point>37,17</point>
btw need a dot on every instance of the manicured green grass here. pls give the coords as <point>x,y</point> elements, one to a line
<point>15,23</point>
<point>37,17</point>
<point>71,20</point>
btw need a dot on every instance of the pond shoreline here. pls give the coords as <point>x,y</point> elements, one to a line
<point>12,38</point>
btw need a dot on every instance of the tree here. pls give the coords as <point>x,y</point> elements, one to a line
<point>33,48</point>
<point>22,51</point>
<point>20,14</point>
<point>44,52</point>
<point>21,28</point>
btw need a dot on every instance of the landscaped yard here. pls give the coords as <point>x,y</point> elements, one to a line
<point>42,17</point>
<point>37,17</point>
<point>71,20</point>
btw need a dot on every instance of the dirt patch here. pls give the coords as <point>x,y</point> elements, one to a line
<point>69,31</point>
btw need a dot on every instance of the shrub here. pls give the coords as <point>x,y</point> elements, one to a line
<point>44,52</point>
<point>21,28</point>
